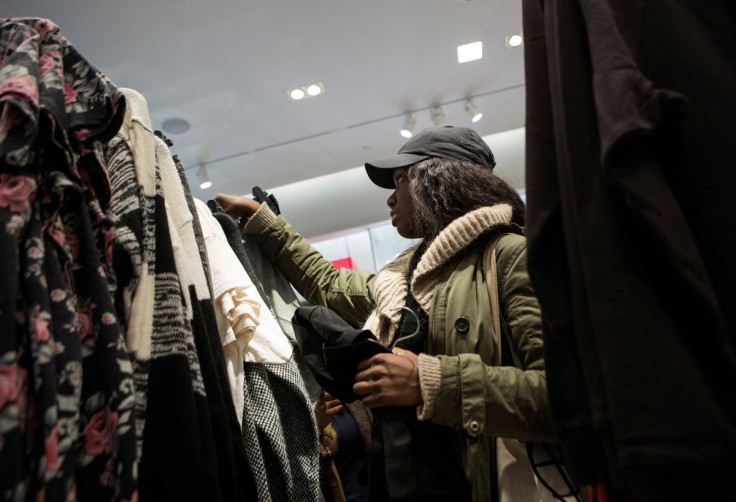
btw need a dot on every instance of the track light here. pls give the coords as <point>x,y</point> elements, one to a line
<point>438,116</point>
<point>407,129</point>
<point>204,180</point>
<point>471,110</point>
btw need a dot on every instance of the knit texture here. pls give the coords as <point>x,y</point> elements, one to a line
<point>390,285</point>
<point>430,377</point>
<point>280,433</point>
<point>170,399</point>
<point>260,220</point>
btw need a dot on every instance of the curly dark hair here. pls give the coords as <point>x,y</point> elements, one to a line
<point>445,189</point>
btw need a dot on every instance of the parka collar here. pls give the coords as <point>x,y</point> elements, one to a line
<point>390,288</point>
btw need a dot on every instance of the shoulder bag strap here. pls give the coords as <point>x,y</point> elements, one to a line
<point>491,275</point>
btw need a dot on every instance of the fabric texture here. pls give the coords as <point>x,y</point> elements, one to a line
<point>408,459</point>
<point>333,349</point>
<point>629,189</point>
<point>66,392</point>
<point>229,456</point>
<point>391,288</point>
<point>277,292</point>
<point>170,397</point>
<point>430,379</point>
<point>186,421</point>
<point>270,399</point>
<point>280,433</point>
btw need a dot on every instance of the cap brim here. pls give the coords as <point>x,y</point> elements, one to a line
<point>381,171</point>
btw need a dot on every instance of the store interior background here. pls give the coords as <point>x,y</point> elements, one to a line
<point>224,68</point>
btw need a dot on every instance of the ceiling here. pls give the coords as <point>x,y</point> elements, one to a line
<point>225,66</point>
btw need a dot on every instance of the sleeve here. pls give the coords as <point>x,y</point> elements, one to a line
<point>348,293</point>
<point>502,401</point>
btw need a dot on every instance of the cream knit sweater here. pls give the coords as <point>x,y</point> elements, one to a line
<point>391,287</point>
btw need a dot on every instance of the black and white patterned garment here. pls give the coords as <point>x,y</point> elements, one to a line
<point>174,437</point>
<point>280,433</point>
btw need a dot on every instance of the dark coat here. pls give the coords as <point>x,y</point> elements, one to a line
<point>631,219</point>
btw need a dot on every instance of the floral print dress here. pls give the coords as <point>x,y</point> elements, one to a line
<point>67,400</point>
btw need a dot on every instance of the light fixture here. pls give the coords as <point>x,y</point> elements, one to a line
<point>471,110</point>
<point>296,94</point>
<point>407,130</point>
<point>204,180</point>
<point>514,40</point>
<point>469,52</point>
<point>438,116</point>
<point>315,89</point>
<point>306,91</point>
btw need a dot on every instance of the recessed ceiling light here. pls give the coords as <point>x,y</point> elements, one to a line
<point>315,89</point>
<point>296,94</point>
<point>514,40</point>
<point>469,52</point>
<point>306,91</point>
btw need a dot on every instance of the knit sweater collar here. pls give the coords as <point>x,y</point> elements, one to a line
<point>390,288</point>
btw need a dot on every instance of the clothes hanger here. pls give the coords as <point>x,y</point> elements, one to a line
<point>407,337</point>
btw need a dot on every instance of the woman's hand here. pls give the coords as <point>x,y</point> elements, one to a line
<point>389,380</point>
<point>327,407</point>
<point>237,206</point>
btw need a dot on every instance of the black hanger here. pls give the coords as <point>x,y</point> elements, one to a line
<point>161,135</point>
<point>261,196</point>
<point>214,206</point>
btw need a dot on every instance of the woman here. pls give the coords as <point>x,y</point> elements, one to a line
<point>446,194</point>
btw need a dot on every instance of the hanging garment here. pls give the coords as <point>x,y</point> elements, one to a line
<point>184,426</point>
<point>235,241</point>
<point>283,302</point>
<point>630,225</point>
<point>66,400</point>
<point>408,459</point>
<point>245,483</point>
<point>280,294</point>
<point>173,436</point>
<point>333,349</point>
<point>234,478</point>
<point>269,394</point>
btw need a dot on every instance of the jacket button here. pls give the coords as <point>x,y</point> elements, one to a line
<point>462,325</point>
<point>474,426</point>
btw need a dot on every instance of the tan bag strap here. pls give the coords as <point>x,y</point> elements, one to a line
<point>491,274</point>
<point>338,493</point>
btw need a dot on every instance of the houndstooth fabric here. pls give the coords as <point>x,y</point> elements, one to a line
<point>280,433</point>
<point>299,428</point>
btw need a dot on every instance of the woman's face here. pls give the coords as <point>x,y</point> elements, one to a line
<point>402,205</point>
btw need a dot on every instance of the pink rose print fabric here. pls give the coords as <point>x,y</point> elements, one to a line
<point>16,192</point>
<point>67,429</point>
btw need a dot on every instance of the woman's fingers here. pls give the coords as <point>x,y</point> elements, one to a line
<point>237,206</point>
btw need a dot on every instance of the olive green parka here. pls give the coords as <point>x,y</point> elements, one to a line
<point>483,400</point>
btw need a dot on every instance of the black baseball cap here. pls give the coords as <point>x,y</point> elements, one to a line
<point>446,142</point>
